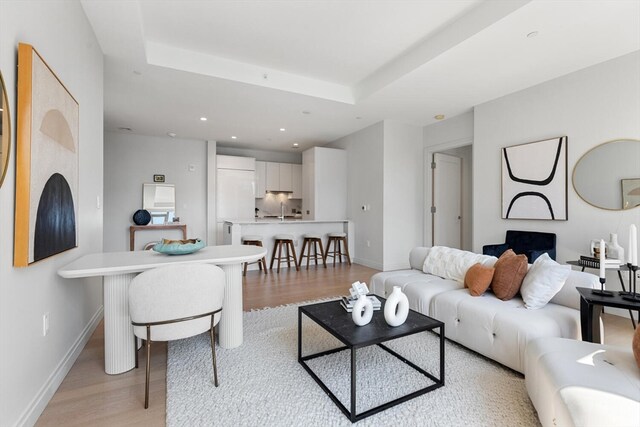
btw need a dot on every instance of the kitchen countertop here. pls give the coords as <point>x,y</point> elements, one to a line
<point>277,221</point>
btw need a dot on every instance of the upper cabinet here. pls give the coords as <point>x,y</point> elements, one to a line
<point>296,181</point>
<point>285,177</point>
<point>278,177</point>
<point>261,179</point>
<point>273,176</point>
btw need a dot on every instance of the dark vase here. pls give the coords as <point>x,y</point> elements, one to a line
<point>142,217</point>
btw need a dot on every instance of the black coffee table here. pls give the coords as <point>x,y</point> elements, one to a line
<point>335,320</point>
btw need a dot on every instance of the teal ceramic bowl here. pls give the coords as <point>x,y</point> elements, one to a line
<point>179,248</point>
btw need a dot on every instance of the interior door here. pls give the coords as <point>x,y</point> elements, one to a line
<point>446,207</point>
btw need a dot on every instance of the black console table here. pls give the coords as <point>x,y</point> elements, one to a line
<point>622,267</point>
<point>591,308</point>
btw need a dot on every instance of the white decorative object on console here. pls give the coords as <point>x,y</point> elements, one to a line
<point>615,250</point>
<point>362,311</point>
<point>396,309</point>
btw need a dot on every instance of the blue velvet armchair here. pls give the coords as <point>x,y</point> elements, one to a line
<point>530,243</point>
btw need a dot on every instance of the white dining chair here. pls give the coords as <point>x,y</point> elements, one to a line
<point>176,302</point>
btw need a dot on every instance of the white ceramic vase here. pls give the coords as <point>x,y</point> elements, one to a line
<point>396,309</point>
<point>615,250</point>
<point>362,311</point>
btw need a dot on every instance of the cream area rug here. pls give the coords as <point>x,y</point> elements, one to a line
<point>262,383</point>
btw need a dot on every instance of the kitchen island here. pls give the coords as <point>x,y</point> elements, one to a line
<point>267,228</point>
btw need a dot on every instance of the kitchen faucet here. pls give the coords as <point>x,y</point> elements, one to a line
<point>281,211</point>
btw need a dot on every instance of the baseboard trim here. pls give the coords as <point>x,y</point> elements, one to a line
<point>368,263</point>
<point>41,400</point>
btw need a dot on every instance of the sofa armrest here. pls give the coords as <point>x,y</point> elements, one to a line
<point>495,250</point>
<point>568,295</point>
<point>417,257</point>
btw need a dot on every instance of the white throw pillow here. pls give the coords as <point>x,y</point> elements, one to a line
<point>452,263</point>
<point>544,279</point>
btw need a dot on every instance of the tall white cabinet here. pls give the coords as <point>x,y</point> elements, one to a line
<point>324,184</point>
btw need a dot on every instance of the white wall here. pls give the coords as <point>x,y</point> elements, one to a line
<point>452,136</point>
<point>32,366</point>
<point>591,106</point>
<point>131,160</point>
<point>403,193</point>
<point>365,187</point>
<point>385,173</point>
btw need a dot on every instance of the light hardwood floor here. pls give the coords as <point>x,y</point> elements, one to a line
<point>88,396</point>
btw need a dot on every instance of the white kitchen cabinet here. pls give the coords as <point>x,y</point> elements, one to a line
<point>261,179</point>
<point>286,171</point>
<point>296,181</point>
<point>273,176</point>
<point>324,184</point>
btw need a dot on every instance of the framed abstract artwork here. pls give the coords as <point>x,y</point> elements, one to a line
<point>534,180</point>
<point>630,193</point>
<point>47,134</point>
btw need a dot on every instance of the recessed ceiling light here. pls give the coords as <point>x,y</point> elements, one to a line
<point>137,73</point>
<point>171,134</point>
<point>296,145</point>
<point>358,118</point>
<point>234,137</point>
<point>306,112</point>
<point>204,119</point>
<point>125,129</point>
<point>439,117</point>
<point>282,129</point>
<point>532,34</point>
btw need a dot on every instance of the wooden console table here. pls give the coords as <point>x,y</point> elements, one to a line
<point>134,228</point>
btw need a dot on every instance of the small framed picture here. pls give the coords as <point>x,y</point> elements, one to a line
<point>158,178</point>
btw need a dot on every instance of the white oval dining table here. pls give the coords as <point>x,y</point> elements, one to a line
<point>119,268</point>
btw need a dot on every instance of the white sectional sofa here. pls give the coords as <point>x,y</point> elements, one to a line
<point>576,383</point>
<point>500,330</point>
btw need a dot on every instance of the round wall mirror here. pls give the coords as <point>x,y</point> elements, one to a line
<point>5,131</point>
<point>608,176</point>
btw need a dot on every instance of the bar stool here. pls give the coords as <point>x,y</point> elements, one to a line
<point>338,239</point>
<point>287,241</point>
<point>254,240</point>
<point>312,240</point>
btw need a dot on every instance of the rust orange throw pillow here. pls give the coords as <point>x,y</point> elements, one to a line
<point>478,278</point>
<point>510,271</point>
<point>635,344</point>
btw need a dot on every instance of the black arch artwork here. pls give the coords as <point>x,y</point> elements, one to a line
<point>55,229</point>
<point>531,181</point>
<point>534,194</point>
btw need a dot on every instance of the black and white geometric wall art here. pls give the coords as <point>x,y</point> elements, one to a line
<point>534,180</point>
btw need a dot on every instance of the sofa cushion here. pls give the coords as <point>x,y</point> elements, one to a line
<point>478,279</point>
<point>544,279</point>
<point>499,329</point>
<point>510,271</point>
<point>451,263</point>
<point>635,345</point>
<point>419,288</point>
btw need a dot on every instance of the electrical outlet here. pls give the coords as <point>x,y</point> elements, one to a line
<point>368,244</point>
<point>45,324</point>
